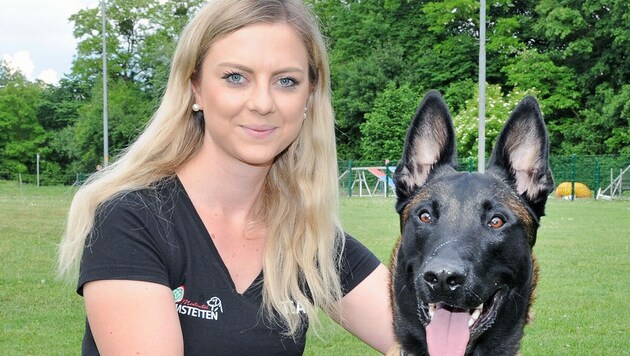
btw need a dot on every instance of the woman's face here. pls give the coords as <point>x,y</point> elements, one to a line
<point>253,90</point>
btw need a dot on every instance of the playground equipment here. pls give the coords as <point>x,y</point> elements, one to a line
<point>370,181</point>
<point>617,185</point>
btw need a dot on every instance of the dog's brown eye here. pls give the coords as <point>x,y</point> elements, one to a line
<point>496,222</point>
<point>425,217</point>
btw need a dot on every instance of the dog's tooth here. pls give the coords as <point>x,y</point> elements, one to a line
<point>480,307</point>
<point>431,309</point>
<point>475,315</point>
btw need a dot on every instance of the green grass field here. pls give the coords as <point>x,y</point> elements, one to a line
<point>583,297</point>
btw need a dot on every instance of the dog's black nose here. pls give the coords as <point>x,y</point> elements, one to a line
<point>444,278</point>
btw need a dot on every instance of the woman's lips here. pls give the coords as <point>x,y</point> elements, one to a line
<point>259,132</point>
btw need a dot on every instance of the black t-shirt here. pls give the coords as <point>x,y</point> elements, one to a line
<point>155,235</point>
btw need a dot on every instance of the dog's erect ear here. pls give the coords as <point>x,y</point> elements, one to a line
<point>430,143</point>
<point>521,154</point>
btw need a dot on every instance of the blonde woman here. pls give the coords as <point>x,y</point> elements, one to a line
<point>216,232</point>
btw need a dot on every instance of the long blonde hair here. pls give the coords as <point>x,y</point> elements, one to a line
<point>300,193</point>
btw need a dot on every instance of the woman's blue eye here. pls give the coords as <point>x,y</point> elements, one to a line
<point>288,82</point>
<point>233,78</point>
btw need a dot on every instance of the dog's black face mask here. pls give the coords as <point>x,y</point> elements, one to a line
<point>463,271</point>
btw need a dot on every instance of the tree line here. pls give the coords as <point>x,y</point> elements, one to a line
<point>573,55</point>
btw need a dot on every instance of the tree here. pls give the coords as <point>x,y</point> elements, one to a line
<point>141,38</point>
<point>362,61</point>
<point>127,26</point>
<point>129,110</point>
<point>385,127</point>
<point>426,44</point>
<point>155,52</point>
<point>21,134</point>
<point>604,126</point>
<point>556,88</point>
<point>592,38</point>
<point>360,82</point>
<point>575,55</point>
<point>498,109</point>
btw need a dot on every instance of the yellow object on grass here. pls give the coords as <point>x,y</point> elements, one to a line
<point>581,190</point>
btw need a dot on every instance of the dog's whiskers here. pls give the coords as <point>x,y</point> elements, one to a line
<point>476,295</point>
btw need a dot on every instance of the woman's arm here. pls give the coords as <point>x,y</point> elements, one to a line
<point>366,311</point>
<point>132,317</point>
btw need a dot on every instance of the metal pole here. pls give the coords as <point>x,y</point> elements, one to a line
<point>597,174</point>
<point>481,150</point>
<point>38,170</point>
<point>350,178</point>
<point>105,114</point>
<point>386,176</point>
<point>573,177</point>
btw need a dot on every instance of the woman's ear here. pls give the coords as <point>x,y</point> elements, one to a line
<point>195,89</point>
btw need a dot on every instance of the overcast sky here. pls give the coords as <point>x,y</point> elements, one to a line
<point>36,36</point>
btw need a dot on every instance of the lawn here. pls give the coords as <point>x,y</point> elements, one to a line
<point>582,308</point>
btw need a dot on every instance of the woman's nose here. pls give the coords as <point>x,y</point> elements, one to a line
<point>261,100</point>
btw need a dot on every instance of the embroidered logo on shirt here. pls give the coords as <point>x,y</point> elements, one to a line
<point>178,294</point>
<point>215,304</point>
<point>210,310</point>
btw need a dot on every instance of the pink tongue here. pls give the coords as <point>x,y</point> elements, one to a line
<point>448,333</point>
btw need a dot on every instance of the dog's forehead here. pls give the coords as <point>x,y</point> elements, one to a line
<point>461,191</point>
<point>466,187</point>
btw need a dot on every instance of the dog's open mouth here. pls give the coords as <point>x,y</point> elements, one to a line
<point>450,329</point>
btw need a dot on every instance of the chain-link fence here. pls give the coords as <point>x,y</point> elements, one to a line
<point>370,178</point>
<point>373,178</point>
<point>44,179</point>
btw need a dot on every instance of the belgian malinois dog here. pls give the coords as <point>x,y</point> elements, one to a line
<point>463,272</point>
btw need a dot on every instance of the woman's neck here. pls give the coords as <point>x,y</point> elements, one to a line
<point>223,187</point>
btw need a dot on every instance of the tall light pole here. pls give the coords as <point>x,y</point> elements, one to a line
<point>481,149</point>
<point>105,114</point>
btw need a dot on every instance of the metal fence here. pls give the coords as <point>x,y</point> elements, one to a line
<point>44,179</point>
<point>593,171</point>
<point>373,178</point>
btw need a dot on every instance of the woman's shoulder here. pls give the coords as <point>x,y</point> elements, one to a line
<point>157,197</point>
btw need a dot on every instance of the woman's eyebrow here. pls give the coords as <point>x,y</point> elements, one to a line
<point>289,69</point>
